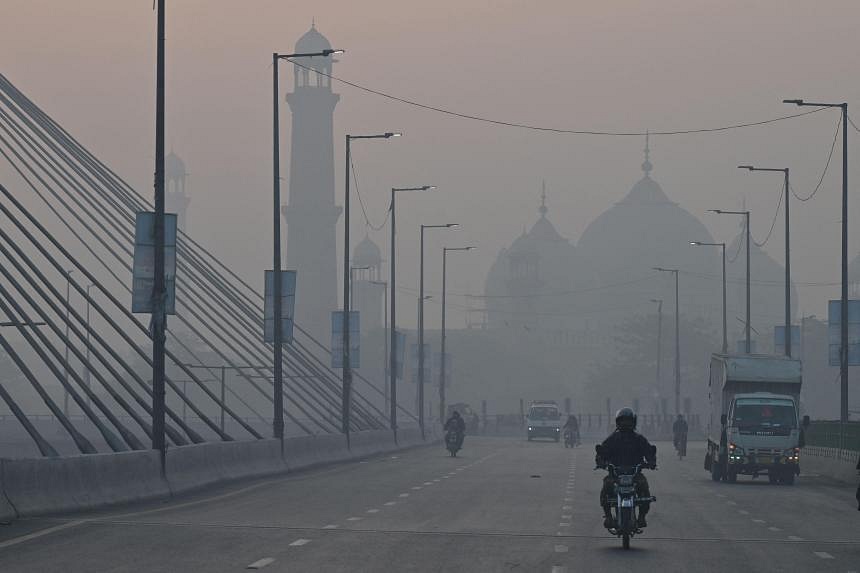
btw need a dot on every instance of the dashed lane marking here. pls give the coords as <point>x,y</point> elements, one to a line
<point>428,483</point>
<point>300,542</point>
<point>794,538</point>
<point>743,512</point>
<point>373,510</point>
<point>731,503</point>
<point>824,554</point>
<point>354,518</point>
<point>567,507</point>
<point>330,526</point>
<point>558,569</point>
<point>774,528</point>
<point>404,495</point>
<point>416,487</point>
<point>561,548</point>
<point>260,563</point>
<point>389,503</point>
<point>758,521</point>
<point>567,516</point>
<point>564,524</point>
<point>40,533</point>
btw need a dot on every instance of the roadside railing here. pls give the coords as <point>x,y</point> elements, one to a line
<point>829,434</point>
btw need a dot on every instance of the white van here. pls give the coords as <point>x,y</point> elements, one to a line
<point>544,420</point>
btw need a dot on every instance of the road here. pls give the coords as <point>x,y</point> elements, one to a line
<point>503,505</point>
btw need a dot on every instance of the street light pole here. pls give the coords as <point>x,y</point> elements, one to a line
<point>785,172</point>
<point>346,393</point>
<point>385,388</point>
<point>677,340</point>
<point>277,311</point>
<point>659,302</point>
<point>392,279</point>
<point>748,327</point>
<point>723,247</point>
<point>442,356</point>
<point>421,324</point>
<point>843,311</point>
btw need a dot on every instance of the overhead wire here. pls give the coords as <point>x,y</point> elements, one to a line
<point>546,128</point>
<point>361,202</point>
<point>826,166</point>
<point>772,223</point>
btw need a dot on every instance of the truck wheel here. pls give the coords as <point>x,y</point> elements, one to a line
<point>772,478</point>
<point>788,478</point>
<point>730,474</point>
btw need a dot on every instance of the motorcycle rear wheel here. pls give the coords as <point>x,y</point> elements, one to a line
<point>625,541</point>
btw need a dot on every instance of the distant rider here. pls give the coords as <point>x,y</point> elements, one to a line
<point>458,425</point>
<point>572,426</point>
<point>626,448</point>
<point>679,433</point>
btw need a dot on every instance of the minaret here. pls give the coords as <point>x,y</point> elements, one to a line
<point>312,215</point>
<point>176,198</point>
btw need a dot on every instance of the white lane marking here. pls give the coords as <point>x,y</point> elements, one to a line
<point>794,538</point>
<point>568,499</point>
<point>561,548</point>
<point>436,480</point>
<point>558,569</point>
<point>720,495</point>
<point>416,487</point>
<point>428,483</point>
<point>373,510</point>
<point>559,533</point>
<point>567,507</point>
<point>394,457</point>
<point>40,533</point>
<point>743,512</point>
<point>824,554</point>
<point>363,462</point>
<point>404,495</point>
<point>774,528</point>
<point>445,477</point>
<point>564,524</point>
<point>330,526</point>
<point>567,516</point>
<point>354,518</point>
<point>731,503</point>
<point>260,563</point>
<point>389,503</point>
<point>758,521</point>
<point>300,542</point>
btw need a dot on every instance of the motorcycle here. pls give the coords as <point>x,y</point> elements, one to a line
<point>625,506</point>
<point>452,442</point>
<point>571,438</point>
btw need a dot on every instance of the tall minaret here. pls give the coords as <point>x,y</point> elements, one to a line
<point>312,214</point>
<point>176,196</point>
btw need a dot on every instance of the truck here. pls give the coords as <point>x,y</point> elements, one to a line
<point>753,427</point>
<point>544,420</point>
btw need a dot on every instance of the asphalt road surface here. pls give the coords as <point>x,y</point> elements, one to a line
<point>503,505</point>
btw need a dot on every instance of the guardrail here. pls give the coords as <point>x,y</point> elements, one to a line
<point>829,434</point>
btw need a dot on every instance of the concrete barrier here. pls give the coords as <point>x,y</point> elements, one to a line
<point>310,451</point>
<point>54,485</point>
<point>199,465</point>
<point>30,487</point>
<point>838,464</point>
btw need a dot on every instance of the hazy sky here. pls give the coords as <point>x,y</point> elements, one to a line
<point>605,65</point>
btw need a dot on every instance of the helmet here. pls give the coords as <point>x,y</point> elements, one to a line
<point>625,419</point>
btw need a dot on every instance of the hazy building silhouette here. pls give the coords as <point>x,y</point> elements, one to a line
<point>176,194</point>
<point>367,294</point>
<point>311,214</point>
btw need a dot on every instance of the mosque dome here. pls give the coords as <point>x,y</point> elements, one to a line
<point>312,41</point>
<point>367,254</point>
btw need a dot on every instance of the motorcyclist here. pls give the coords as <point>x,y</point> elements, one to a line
<point>572,426</point>
<point>679,433</point>
<point>625,448</point>
<point>457,424</point>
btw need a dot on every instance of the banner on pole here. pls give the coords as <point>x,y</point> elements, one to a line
<point>437,363</point>
<point>337,339</point>
<point>834,331</point>
<point>143,269</point>
<point>779,340</point>
<point>428,363</point>
<point>288,306</point>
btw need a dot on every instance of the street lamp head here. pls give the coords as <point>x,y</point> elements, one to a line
<point>717,211</point>
<point>329,52</point>
<point>695,243</point>
<point>428,187</point>
<point>453,225</point>
<point>392,134</point>
<point>657,300</point>
<point>794,101</point>
<point>750,167</point>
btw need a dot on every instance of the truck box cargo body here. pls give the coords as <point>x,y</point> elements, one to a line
<point>754,426</point>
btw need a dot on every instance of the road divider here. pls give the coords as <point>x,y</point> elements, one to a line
<point>40,486</point>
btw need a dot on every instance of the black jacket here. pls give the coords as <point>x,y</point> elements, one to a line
<point>680,427</point>
<point>456,424</point>
<point>626,448</point>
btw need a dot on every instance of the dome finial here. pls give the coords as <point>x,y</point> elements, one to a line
<point>543,209</point>
<point>313,22</point>
<point>646,165</point>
